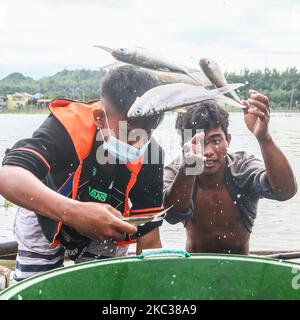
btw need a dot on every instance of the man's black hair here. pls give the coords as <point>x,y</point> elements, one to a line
<point>122,85</point>
<point>202,116</point>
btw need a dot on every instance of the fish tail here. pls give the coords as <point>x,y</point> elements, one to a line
<point>229,102</point>
<point>228,88</point>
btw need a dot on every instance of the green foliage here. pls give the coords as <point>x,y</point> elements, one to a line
<point>282,88</point>
<point>7,204</point>
<point>75,85</point>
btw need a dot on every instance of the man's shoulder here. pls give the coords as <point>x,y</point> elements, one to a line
<point>239,159</point>
<point>243,167</point>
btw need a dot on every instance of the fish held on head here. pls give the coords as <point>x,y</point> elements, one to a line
<point>177,97</point>
<point>214,73</point>
<point>145,58</point>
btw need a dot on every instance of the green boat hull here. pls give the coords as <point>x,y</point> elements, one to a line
<point>200,276</point>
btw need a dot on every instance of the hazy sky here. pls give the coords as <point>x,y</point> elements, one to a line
<point>41,37</point>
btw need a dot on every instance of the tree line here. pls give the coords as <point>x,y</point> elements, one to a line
<point>283,88</point>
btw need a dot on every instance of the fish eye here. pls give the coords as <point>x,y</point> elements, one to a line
<point>123,50</point>
<point>138,111</point>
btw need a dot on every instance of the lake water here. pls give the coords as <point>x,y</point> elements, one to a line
<point>278,223</point>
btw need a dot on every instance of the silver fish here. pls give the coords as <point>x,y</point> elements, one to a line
<point>169,77</point>
<point>177,97</point>
<point>214,73</point>
<point>148,59</point>
<point>174,77</point>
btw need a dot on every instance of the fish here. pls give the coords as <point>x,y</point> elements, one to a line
<point>175,77</point>
<point>168,77</point>
<point>177,97</point>
<point>145,58</point>
<point>214,73</point>
<point>4,277</point>
<point>137,221</point>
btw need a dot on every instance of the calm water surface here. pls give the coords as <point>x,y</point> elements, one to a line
<point>278,223</point>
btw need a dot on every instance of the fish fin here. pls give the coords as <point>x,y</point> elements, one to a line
<point>235,96</point>
<point>192,74</point>
<point>107,49</point>
<point>228,88</point>
<point>112,65</point>
<point>180,110</point>
<point>230,102</point>
<point>194,78</point>
<point>165,69</point>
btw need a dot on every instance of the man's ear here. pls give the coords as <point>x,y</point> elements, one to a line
<point>99,117</point>
<point>228,138</point>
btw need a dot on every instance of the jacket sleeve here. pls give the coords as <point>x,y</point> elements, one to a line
<point>46,150</point>
<point>173,216</point>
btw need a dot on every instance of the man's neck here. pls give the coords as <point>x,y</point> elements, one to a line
<point>212,181</point>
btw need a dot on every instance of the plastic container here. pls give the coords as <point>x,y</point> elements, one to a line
<point>166,274</point>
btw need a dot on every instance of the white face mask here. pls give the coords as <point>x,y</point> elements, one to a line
<point>121,150</point>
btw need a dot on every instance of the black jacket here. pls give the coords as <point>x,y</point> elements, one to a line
<point>55,160</point>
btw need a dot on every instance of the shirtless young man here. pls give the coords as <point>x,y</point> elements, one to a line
<point>218,202</point>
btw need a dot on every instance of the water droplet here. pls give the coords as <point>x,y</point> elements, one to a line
<point>31,199</point>
<point>239,195</point>
<point>174,275</point>
<point>172,282</point>
<point>40,291</point>
<point>234,202</point>
<point>225,236</point>
<point>229,251</point>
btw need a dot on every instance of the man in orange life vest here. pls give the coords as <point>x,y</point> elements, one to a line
<point>82,170</point>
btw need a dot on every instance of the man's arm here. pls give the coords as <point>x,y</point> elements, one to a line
<point>150,240</point>
<point>29,161</point>
<point>97,221</point>
<point>180,193</point>
<point>278,169</point>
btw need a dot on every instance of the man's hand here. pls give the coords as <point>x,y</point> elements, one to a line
<point>98,221</point>
<point>257,115</point>
<point>193,155</point>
